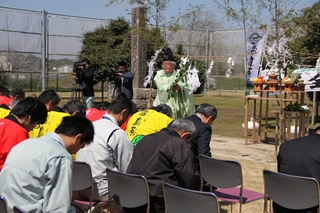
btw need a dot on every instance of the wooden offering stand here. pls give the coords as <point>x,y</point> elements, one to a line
<point>273,83</point>
<point>290,86</point>
<point>290,91</point>
<point>258,86</point>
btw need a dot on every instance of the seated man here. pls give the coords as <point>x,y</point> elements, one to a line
<point>50,98</point>
<point>4,97</point>
<point>111,148</point>
<point>14,128</point>
<point>203,119</point>
<point>300,157</point>
<point>75,107</point>
<point>6,111</point>
<point>38,172</point>
<point>165,156</point>
<point>54,118</point>
<point>97,111</point>
<point>147,122</point>
<point>17,93</point>
<point>134,110</point>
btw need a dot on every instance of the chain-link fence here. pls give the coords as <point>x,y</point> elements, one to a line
<point>35,45</point>
<point>37,50</point>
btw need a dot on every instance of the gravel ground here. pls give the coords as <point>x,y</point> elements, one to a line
<point>237,149</point>
<point>253,158</point>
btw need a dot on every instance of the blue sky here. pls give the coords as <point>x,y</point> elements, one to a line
<point>88,8</point>
<point>97,9</point>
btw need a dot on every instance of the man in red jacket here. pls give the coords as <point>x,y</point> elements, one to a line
<point>14,128</point>
<point>4,96</point>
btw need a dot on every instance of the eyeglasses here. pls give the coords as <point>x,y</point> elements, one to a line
<point>167,64</point>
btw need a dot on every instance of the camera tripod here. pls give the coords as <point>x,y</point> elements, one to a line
<point>77,93</point>
<point>115,92</point>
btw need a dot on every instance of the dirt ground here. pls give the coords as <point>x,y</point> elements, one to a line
<point>253,158</point>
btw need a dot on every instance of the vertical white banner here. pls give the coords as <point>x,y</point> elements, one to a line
<point>255,42</point>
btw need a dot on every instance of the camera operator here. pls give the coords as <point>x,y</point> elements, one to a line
<point>86,82</point>
<point>126,77</point>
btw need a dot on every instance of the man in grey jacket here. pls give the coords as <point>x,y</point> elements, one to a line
<point>37,174</point>
<point>111,148</point>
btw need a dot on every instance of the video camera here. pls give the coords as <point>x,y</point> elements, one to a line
<point>78,71</point>
<point>114,76</point>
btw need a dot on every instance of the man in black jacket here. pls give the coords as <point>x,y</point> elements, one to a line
<point>87,83</point>
<point>126,78</point>
<point>202,119</point>
<point>165,156</point>
<point>300,157</point>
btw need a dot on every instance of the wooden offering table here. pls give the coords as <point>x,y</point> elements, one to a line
<point>260,104</point>
<point>294,124</point>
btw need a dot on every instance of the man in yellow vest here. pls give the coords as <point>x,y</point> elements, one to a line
<point>71,108</point>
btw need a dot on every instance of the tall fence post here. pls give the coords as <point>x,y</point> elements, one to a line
<point>31,81</point>
<point>219,86</point>
<point>57,80</point>
<point>43,48</point>
<point>207,63</point>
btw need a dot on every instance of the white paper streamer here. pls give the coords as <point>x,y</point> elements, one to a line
<point>231,64</point>
<point>193,79</point>
<point>277,53</point>
<point>210,68</point>
<point>192,74</point>
<point>318,65</point>
<point>148,78</point>
<point>184,60</point>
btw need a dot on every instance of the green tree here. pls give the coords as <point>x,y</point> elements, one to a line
<point>306,35</point>
<point>106,46</point>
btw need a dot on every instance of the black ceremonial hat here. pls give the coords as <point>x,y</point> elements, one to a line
<point>122,63</point>
<point>168,55</point>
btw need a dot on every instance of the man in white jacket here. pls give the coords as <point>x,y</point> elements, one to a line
<point>111,148</point>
